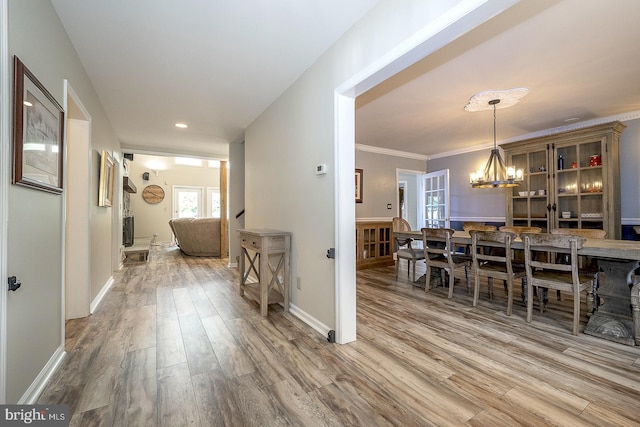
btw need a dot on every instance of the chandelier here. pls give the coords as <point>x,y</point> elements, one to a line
<point>496,174</point>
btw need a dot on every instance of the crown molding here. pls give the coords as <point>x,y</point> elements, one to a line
<point>389,152</point>
<point>624,117</point>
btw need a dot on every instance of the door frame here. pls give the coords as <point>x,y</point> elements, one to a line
<point>4,187</point>
<point>80,236</point>
<point>458,20</point>
<point>417,174</point>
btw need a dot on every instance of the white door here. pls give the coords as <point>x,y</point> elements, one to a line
<point>435,197</point>
<point>187,202</point>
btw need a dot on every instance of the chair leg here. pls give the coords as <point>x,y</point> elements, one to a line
<point>414,270</point>
<point>596,285</point>
<point>576,310</point>
<point>490,282</point>
<point>467,275</point>
<point>397,267</point>
<point>590,300</point>
<point>529,302</point>
<point>476,289</point>
<point>452,279</point>
<point>427,279</point>
<point>541,299</point>
<point>509,285</point>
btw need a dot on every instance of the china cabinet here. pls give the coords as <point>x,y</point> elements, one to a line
<point>373,244</point>
<point>571,180</point>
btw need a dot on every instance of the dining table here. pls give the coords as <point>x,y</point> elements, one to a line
<point>617,318</point>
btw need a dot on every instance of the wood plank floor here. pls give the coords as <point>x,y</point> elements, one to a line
<point>172,344</point>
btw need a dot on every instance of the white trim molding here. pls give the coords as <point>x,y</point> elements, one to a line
<point>309,320</point>
<point>31,395</point>
<point>390,152</point>
<point>630,221</point>
<point>98,299</point>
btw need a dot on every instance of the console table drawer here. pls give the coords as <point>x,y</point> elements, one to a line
<point>250,242</point>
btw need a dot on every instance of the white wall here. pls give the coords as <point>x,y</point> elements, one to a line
<point>34,315</point>
<point>150,218</point>
<point>379,183</point>
<point>236,198</point>
<point>285,143</point>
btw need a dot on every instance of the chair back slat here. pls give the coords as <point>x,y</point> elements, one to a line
<point>519,230</point>
<point>490,239</point>
<point>436,241</point>
<point>480,227</point>
<point>589,233</point>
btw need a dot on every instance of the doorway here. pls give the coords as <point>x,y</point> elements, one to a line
<point>77,287</point>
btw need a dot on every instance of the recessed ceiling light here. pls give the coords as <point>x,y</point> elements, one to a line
<point>181,125</point>
<point>571,120</point>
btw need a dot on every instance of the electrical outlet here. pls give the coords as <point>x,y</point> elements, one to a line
<point>298,284</point>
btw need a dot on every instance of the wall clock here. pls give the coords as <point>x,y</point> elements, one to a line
<point>153,194</point>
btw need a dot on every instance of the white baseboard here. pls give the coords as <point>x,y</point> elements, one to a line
<point>233,265</point>
<point>309,320</point>
<point>30,397</point>
<point>96,301</point>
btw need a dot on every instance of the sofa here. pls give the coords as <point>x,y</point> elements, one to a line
<point>197,236</point>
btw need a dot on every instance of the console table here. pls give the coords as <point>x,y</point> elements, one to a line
<point>265,267</point>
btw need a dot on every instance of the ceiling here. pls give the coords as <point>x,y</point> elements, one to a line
<point>212,64</point>
<point>216,65</point>
<point>578,58</point>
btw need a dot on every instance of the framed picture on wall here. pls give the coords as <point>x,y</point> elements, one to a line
<point>358,185</point>
<point>105,192</point>
<point>38,123</point>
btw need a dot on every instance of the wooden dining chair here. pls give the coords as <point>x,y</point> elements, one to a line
<point>518,256</point>
<point>404,247</point>
<point>438,254</point>
<point>586,264</point>
<point>462,248</point>
<point>551,275</point>
<point>492,264</point>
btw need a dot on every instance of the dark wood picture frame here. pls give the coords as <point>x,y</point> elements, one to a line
<point>359,185</point>
<point>38,127</point>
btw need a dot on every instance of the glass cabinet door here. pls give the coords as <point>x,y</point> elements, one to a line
<point>529,200</point>
<point>579,185</point>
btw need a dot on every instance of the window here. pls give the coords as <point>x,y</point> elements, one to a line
<point>213,202</point>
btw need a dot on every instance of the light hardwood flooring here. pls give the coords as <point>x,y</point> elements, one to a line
<point>172,344</point>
